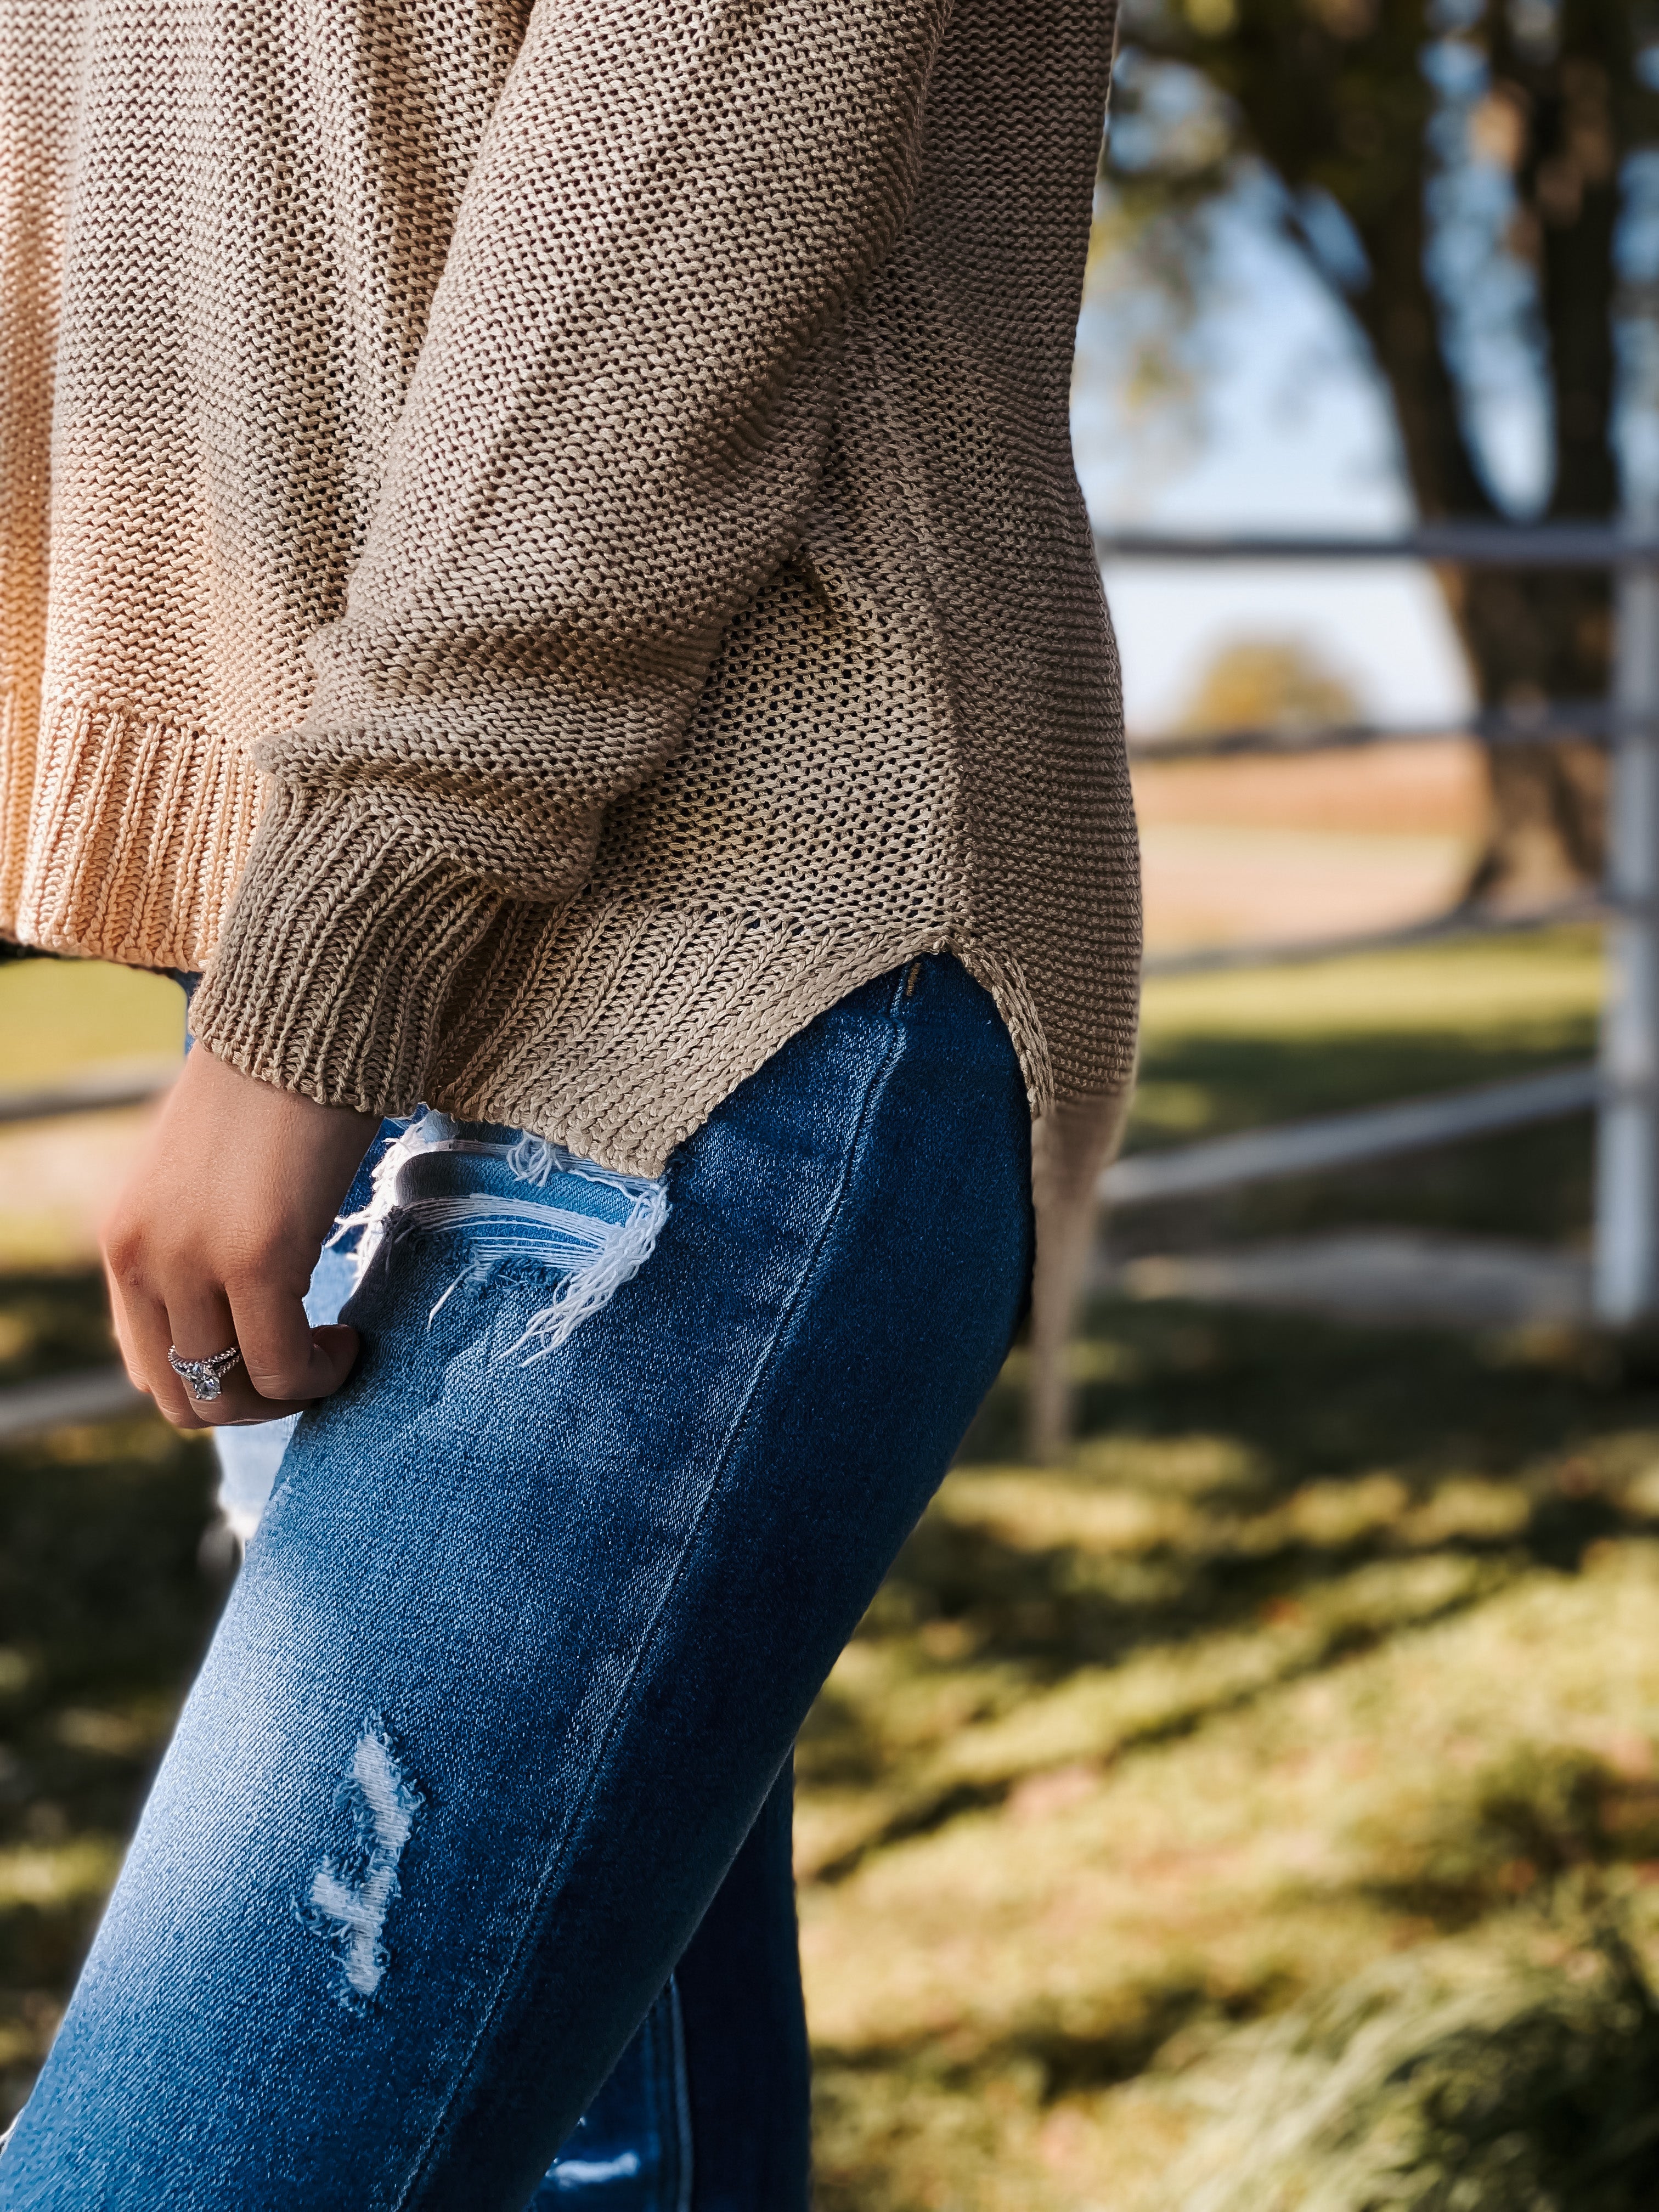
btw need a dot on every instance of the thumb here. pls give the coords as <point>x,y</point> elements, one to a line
<point>287,1361</point>
<point>334,1350</point>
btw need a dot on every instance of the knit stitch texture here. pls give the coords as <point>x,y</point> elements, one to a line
<point>539,543</point>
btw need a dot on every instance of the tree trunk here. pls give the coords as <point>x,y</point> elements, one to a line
<point>1333,93</point>
<point>1533,637</point>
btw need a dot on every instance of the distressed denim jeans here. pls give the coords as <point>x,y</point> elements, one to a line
<point>465,1883</point>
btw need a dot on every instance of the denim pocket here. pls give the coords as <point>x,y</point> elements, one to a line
<point>507,1197</point>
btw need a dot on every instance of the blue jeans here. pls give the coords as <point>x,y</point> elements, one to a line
<point>483,1785</point>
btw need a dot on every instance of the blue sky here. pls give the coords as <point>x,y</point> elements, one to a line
<point>1294,431</point>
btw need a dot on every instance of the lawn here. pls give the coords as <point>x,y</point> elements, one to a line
<point>1326,1648</point>
<point>1259,1809</point>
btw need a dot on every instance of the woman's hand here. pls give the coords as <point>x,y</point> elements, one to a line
<point>213,1241</point>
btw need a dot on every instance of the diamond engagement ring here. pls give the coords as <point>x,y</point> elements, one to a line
<point>204,1378</point>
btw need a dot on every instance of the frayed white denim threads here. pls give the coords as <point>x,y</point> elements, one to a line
<point>607,1263</point>
<point>349,1898</point>
<point>425,1132</point>
<point>591,1252</point>
<point>595,1252</point>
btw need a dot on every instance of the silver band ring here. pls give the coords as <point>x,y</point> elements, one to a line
<point>204,1378</point>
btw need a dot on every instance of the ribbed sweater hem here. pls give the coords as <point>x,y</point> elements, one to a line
<point>139,826</point>
<point>614,1031</point>
<point>637,1056</point>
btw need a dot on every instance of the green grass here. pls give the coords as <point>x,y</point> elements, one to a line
<point>57,1015</point>
<point>1222,1052</point>
<point>1326,1648</point>
<point>1258,1810</point>
<point>105,1611</point>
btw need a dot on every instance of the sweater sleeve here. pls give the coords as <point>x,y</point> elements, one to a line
<point>611,439</point>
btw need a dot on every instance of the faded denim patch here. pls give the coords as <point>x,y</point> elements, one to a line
<point>352,1891</point>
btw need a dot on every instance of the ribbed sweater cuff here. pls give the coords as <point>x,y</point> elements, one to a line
<point>342,945</point>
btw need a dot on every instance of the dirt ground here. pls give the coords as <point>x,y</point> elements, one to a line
<point>1278,851</point>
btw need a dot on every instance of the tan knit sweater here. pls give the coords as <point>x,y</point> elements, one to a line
<point>539,543</point>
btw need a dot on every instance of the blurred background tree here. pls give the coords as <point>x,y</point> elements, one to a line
<point>1478,180</point>
<point>1269,683</point>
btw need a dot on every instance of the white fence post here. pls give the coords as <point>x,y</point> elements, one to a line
<point>1627,1133</point>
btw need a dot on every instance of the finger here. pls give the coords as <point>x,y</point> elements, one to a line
<point>150,1337</point>
<point>123,1335</point>
<point>204,1323</point>
<point>286,1359</point>
<point>140,1320</point>
<point>200,1327</point>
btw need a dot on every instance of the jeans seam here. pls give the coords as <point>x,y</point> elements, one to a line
<point>685,2144</point>
<point>762,1367</point>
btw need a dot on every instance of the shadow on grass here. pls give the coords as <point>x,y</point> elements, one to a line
<point>1444,2082</point>
<point>1306,1398</point>
<point>51,1324</point>
<point>1510,2072</point>
<point>1320,1460</point>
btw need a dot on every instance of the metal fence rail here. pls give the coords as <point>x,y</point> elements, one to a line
<point>123,1083</point>
<point>1561,545</point>
<point>1460,924</point>
<point>1626,1092</point>
<point>1591,721</point>
<point>1340,1140</point>
<point>62,1401</point>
